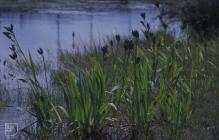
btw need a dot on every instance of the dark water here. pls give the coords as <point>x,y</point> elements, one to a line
<point>52,29</point>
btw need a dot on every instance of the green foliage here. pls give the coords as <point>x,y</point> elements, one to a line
<point>200,15</point>
<point>138,82</point>
<point>86,100</point>
<point>3,106</point>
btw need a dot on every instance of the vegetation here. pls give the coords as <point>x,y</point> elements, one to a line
<point>199,15</point>
<point>147,86</point>
<point>142,87</point>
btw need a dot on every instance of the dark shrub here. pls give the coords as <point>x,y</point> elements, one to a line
<point>200,15</point>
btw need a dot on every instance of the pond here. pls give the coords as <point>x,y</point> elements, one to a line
<point>53,28</point>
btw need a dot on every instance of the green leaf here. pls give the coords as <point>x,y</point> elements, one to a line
<point>3,106</point>
<point>113,106</point>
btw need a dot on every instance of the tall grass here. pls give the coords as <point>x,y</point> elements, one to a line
<point>86,102</point>
<point>134,83</point>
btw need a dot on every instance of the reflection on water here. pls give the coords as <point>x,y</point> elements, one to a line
<point>52,29</point>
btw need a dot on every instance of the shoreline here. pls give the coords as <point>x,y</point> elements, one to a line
<point>74,5</point>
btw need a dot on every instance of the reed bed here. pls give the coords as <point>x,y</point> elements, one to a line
<point>137,85</point>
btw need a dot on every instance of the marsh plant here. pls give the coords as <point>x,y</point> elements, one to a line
<point>146,80</point>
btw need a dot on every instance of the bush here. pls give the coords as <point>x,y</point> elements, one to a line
<point>199,15</point>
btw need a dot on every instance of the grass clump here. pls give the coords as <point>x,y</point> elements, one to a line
<point>86,102</point>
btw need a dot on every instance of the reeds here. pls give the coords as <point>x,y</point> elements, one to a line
<point>143,82</point>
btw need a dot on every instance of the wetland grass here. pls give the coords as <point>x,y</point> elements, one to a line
<point>134,83</point>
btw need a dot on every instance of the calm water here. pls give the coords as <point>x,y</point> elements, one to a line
<point>52,29</point>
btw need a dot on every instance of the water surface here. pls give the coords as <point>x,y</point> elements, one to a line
<point>53,28</point>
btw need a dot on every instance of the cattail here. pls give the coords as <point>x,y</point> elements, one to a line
<point>13,56</point>
<point>111,43</point>
<point>11,74</point>
<point>73,34</point>
<point>12,48</point>
<point>142,22</point>
<point>40,51</point>
<point>148,27</point>
<point>10,29</point>
<point>4,62</point>
<point>135,33</point>
<point>104,49</point>
<point>128,45</point>
<point>143,15</point>
<point>7,34</point>
<point>157,4</point>
<point>22,80</point>
<point>118,38</point>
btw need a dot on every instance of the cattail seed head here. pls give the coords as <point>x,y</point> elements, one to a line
<point>128,45</point>
<point>40,51</point>
<point>143,15</point>
<point>12,48</point>
<point>111,43</point>
<point>157,4</point>
<point>104,49</point>
<point>118,38</point>
<point>135,33</point>
<point>13,56</point>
